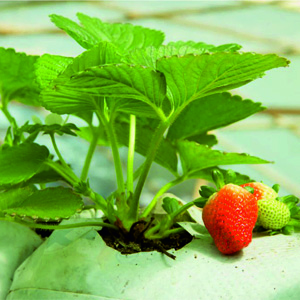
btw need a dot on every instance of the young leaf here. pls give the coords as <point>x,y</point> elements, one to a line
<point>54,119</point>
<point>122,81</point>
<point>48,67</point>
<point>194,76</point>
<point>170,205</point>
<point>196,157</point>
<point>94,31</point>
<point>17,77</point>
<point>206,47</point>
<point>197,230</point>
<point>148,56</point>
<point>51,67</point>
<point>132,106</point>
<point>211,112</point>
<point>102,54</point>
<point>50,203</point>
<point>19,163</point>
<point>68,128</point>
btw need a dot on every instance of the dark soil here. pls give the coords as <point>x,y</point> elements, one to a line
<point>43,233</point>
<point>134,241</point>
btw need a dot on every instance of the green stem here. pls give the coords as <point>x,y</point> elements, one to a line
<point>131,148</point>
<point>166,233</point>
<point>89,156</point>
<point>67,169</point>
<point>99,201</point>
<point>9,117</point>
<point>146,167</point>
<point>65,173</point>
<point>115,150</point>
<point>181,210</point>
<point>57,151</point>
<point>150,232</point>
<point>163,228</point>
<point>163,190</point>
<point>66,226</point>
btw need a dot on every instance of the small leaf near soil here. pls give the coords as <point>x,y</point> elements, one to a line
<point>51,203</point>
<point>19,163</point>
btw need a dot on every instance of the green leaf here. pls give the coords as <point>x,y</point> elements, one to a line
<point>46,175</point>
<point>204,138</point>
<point>121,81</point>
<point>170,205</point>
<point>197,230</point>
<point>68,128</point>
<point>51,67</point>
<point>132,106</point>
<point>19,163</point>
<point>48,67</point>
<point>149,56</point>
<point>17,77</point>
<point>102,54</point>
<point>206,191</point>
<point>206,174</point>
<point>94,31</point>
<point>14,197</point>
<point>194,76</point>
<point>53,119</point>
<point>196,157</point>
<point>50,203</point>
<point>211,112</point>
<point>207,47</point>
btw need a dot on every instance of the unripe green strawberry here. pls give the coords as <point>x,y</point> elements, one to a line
<point>261,191</point>
<point>273,214</point>
<point>230,216</point>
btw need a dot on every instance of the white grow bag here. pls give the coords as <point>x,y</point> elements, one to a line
<point>17,242</point>
<point>76,264</point>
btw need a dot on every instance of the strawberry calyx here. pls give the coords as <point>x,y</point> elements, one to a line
<point>219,180</point>
<point>294,224</point>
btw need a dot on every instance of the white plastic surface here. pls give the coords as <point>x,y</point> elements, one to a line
<point>78,261</point>
<point>17,242</point>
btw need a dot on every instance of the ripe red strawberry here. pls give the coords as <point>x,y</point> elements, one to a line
<point>230,216</point>
<point>261,191</point>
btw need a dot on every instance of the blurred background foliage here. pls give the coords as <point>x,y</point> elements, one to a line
<point>259,26</point>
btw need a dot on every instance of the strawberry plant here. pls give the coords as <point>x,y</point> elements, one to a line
<point>159,100</point>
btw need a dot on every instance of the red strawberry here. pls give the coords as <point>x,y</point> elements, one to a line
<point>261,191</point>
<point>230,216</point>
